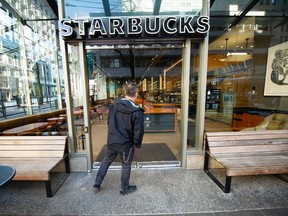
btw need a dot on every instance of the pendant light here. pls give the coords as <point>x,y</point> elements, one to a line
<point>223,57</point>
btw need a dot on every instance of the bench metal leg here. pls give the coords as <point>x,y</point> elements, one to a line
<point>283,177</point>
<point>48,188</point>
<point>226,188</point>
<point>206,161</point>
<point>67,164</point>
<point>48,183</point>
<point>227,184</point>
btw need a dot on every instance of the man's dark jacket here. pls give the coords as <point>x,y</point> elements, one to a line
<point>125,125</point>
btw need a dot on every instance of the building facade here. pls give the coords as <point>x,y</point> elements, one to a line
<point>200,65</point>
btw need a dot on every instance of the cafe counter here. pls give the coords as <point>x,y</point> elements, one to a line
<point>159,119</point>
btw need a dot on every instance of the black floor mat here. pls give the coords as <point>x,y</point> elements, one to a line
<point>148,152</point>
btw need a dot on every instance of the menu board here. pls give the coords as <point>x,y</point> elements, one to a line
<point>213,99</point>
<point>157,122</point>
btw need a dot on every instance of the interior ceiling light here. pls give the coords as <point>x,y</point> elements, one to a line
<point>240,53</point>
<point>223,58</point>
<point>237,53</point>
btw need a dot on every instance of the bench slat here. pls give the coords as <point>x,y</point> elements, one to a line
<point>248,154</point>
<point>252,148</point>
<point>31,168</point>
<point>257,171</point>
<point>245,137</point>
<point>224,142</point>
<point>246,133</point>
<point>32,176</point>
<point>28,147</point>
<point>254,160</point>
<point>32,164</point>
<point>27,154</point>
<point>31,142</point>
<point>21,138</point>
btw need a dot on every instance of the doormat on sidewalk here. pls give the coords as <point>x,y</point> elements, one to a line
<point>148,152</point>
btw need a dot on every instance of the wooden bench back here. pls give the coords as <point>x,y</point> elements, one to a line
<point>248,141</point>
<point>32,146</point>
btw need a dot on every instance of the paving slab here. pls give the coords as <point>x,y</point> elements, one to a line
<point>160,192</point>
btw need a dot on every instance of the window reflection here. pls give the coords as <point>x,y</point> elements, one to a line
<point>30,74</point>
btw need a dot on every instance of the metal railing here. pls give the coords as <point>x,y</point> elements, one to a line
<point>13,109</point>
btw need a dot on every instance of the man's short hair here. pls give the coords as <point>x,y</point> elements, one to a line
<point>131,89</point>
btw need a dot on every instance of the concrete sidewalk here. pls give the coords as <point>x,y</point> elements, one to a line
<point>160,192</point>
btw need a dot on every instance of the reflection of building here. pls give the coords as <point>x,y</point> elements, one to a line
<point>28,52</point>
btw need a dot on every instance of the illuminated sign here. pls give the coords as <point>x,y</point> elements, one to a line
<point>158,26</point>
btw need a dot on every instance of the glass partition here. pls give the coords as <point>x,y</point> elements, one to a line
<point>157,69</point>
<point>193,89</point>
<point>30,66</point>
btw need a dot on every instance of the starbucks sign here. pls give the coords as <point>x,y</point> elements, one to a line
<point>125,27</point>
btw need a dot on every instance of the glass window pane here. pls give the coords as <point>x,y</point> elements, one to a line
<point>242,62</point>
<point>157,70</point>
<point>30,76</point>
<point>75,8</point>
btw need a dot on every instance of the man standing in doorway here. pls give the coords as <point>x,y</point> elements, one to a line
<point>125,132</point>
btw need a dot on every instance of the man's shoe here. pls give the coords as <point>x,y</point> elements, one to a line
<point>130,189</point>
<point>96,187</point>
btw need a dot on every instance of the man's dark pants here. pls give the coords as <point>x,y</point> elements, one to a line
<point>126,160</point>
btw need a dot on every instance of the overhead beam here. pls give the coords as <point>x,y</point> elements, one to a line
<point>283,22</point>
<point>157,6</point>
<point>211,3</point>
<point>247,8</point>
<point>54,6</point>
<point>106,7</point>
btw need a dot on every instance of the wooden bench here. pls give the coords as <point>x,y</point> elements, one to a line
<point>35,158</point>
<point>246,153</point>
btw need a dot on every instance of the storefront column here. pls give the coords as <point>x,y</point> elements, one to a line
<point>185,100</point>
<point>202,80</point>
<point>86,105</point>
<point>68,96</point>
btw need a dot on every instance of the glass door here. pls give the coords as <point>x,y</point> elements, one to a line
<point>157,69</point>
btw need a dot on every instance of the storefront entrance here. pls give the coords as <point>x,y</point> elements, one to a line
<point>157,69</point>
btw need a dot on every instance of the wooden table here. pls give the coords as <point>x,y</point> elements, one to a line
<point>25,129</point>
<point>55,120</point>
<point>77,113</point>
<point>6,174</point>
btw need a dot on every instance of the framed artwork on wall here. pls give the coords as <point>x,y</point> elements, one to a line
<point>276,81</point>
